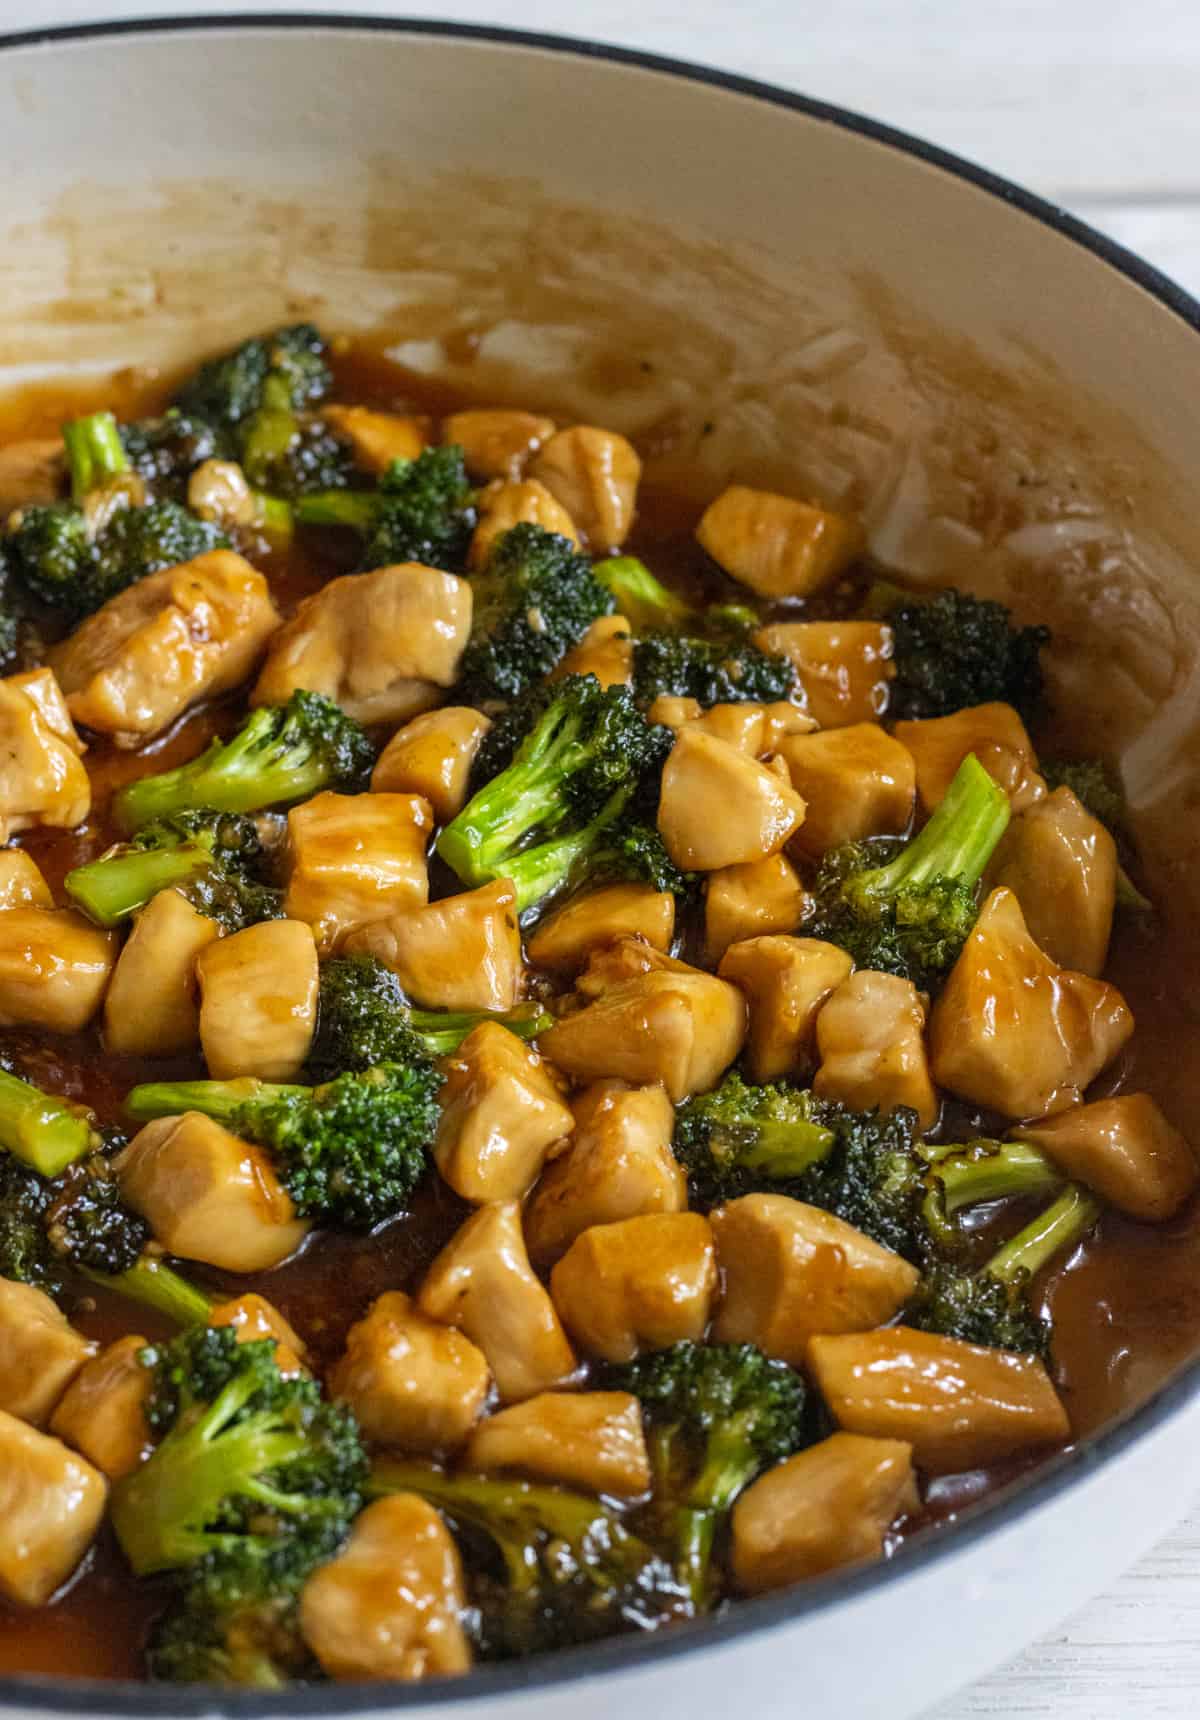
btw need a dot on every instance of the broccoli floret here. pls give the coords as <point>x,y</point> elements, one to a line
<point>953,650</point>
<point>245,1455</point>
<point>285,369</point>
<point>873,1178</point>
<point>716,1415</point>
<point>165,451</point>
<point>292,457</point>
<point>974,1173</point>
<point>740,1138</point>
<point>94,453</point>
<point>214,858</point>
<point>422,511</point>
<point>642,599</point>
<point>712,671</point>
<point>349,1152</point>
<point>912,914</point>
<point>566,1567</point>
<point>281,753</point>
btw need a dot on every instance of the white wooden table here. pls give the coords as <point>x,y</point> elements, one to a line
<point>1093,103</point>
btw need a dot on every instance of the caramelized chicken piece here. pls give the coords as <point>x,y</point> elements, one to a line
<point>431,756</point>
<point>152,1007</point>
<point>594,474</point>
<point>258,1001</point>
<point>390,1605</point>
<point>997,737</point>
<point>208,1196</point>
<point>871,1046</point>
<point>1126,1150</point>
<point>749,901</point>
<point>1014,1032</point>
<point>776,546</point>
<point>462,952</point>
<point>855,782</point>
<point>590,1440</point>
<point>482,1283</point>
<point>253,1318</point>
<point>642,1284</point>
<point>173,638</point>
<point>720,807</point>
<point>791,1271</point>
<point>376,438</point>
<point>51,1504</point>
<point>497,443</point>
<point>958,1405</point>
<point>354,858</point>
<point>54,966</point>
<point>506,504</point>
<point>826,1507</point>
<point>751,728</point>
<point>42,779</point>
<point>411,1381</point>
<point>605,651</point>
<point>102,1413</point>
<point>32,474</point>
<point>625,958</point>
<point>1061,864</point>
<point>40,1352</point>
<point>845,667</point>
<point>21,882</point>
<point>566,938</point>
<point>786,982</point>
<point>502,1117</point>
<point>619,1164</point>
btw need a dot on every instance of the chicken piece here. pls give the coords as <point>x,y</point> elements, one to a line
<point>54,966</point>
<point>32,474</point>
<point>958,1405</point>
<point>786,982</point>
<point>173,638</point>
<point>152,1007</point>
<point>383,645</point>
<point>605,651</point>
<point>871,1047</point>
<point>253,1318</point>
<point>102,1413</point>
<point>845,667</point>
<point>390,1605</point>
<point>1061,864</point>
<point>219,490</point>
<point>411,1381</point>
<point>855,782</point>
<point>42,780</point>
<point>791,1271</point>
<point>354,858</point>
<point>506,504</point>
<point>678,1026</point>
<point>997,737</point>
<point>208,1196</point>
<point>643,1283</point>
<point>781,719</point>
<point>619,1164</point>
<point>721,808</point>
<point>51,1504</point>
<point>482,1283</point>
<point>258,1001</point>
<point>21,881</point>
<point>1014,1032</point>
<point>566,938</point>
<point>462,952</point>
<point>590,1440</point>
<point>751,900</point>
<point>1126,1150</point>
<point>40,1352</point>
<point>376,438</point>
<point>497,443</point>
<point>751,728</point>
<point>625,958</point>
<point>776,546</point>
<point>594,474</point>
<point>431,756</point>
<point>741,726</point>
<point>502,1117</point>
<point>673,711</point>
<point>826,1507</point>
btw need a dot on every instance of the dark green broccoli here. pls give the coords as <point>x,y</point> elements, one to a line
<point>165,451</point>
<point>565,1566</point>
<point>716,1415</point>
<point>912,914</point>
<point>214,858</point>
<point>287,368</point>
<point>1095,784</point>
<point>281,753</point>
<point>953,650</point>
<point>874,1177</point>
<point>740,1138</point>
<point>349,1152</point>
<point>975,1173</point>
<point>423,511</point>
<point>21,644</point>
<point>712,671</point>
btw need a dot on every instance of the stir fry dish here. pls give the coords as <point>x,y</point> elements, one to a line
<point>555,1049</point>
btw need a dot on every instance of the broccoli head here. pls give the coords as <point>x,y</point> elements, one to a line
<point>953,650</point>
<point>712,671</point>
<point>423,510</point>
<point>285,369</point>
<point>740,1138</point>
<point>215,859</point>
<point>165,451</point>
<point>873,1177</point>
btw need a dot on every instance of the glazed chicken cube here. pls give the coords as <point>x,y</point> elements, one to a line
<point>497,443</point>
<point>173,638</point>
<point>845,667</point>
<point>208,1196</point>
<point>1013,1031</point>
<point>390,1605</point>
<point>376,438</point>
<point>871,1046</point>
<point>506,504</point>
<point>641,1284</point>
<point>1126,1150</point>
<point>751,728</point>
<point>482,1283</point>
<point>502,1116</point>
<point>51,1504</point>
<point>431,756</point>
<point>826,1507</point>
<point>354,858</point>
<point>594,474</point>
<point>31,474</point>
<point>619,1164</point>
<point>605,651</point>
<point>590,1440</point>
<point>42,779</point>
<point>382,645</point>
<point>786,983</point>
<point>40,1352</point>
<point>776,546</point>
<point>855,782</point>
<point>21,881</point>
<point>958,1405</point>
<point>1061,864</point>
<point>103,1411</point>
<point>791,1271</point>
<point>751,900</point>
<point>462,952</point>
<point>412,1382</point>
<point>253,1318</point>
<point>565,940</point>
<point>258,1001</point>
<point>720,807</point>
<point>54,967</point>
<point>997,737</point>
<point>152,1007</point>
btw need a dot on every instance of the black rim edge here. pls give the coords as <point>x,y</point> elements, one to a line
<point>977,1522</point>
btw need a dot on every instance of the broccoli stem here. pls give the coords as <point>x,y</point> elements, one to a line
<point>45,1132</point>
<point>640,597</point>
<point>977,1173</point>
<point>778,1151</point>
<point>154,1285</point>
<point>443,1031</point>
<point>356,510</point>
<point>221,1100</point>
<point>1064,1223</point>
<point>116,885</point>
<point>95,453</point>
<point>541,871</point>
<point>957,842</point>
<point>274,516</point>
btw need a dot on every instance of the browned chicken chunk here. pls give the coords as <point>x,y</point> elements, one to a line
<point>594,474</point>
<point>503,1116</point>
<point>496,442</point>
<point>102,1413</point>
<point>590,1440</point>
<point>776,546</point>
<point>871,1046</point>
<point>1126,1150</point>
<point>413,1382</point>
<point>1061,864</point>
<point>258,1001</point>
<point>462,952</point>
<point>845,667</point>
<point>786,982</point>
<point>702,780</point>
<point>51,1503</point>
<point>997,737</point>
<point>855,782</point>
<point>431,756</point>
<point>42,778</point>
<point>152,1008</point>
<point>355,858</point>
<point>641,1284</point>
